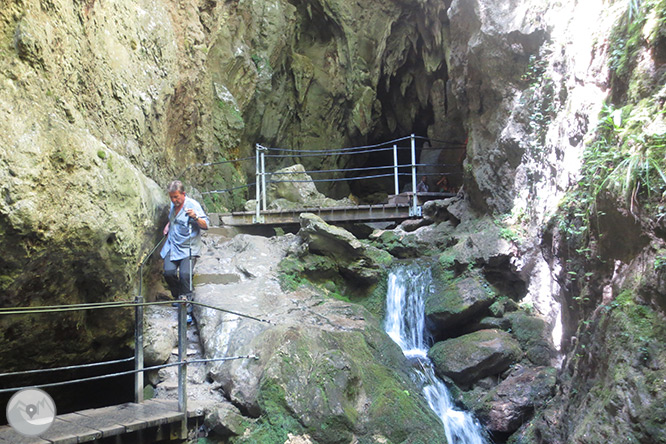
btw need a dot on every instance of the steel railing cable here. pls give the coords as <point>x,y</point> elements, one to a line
<point>339,170</point>
<point>387,167</point>
<point>227,190</point>
<point>127,372</point>
<point>337,150</point>
<point>101,305</point>
<point>219,162</point>
<point>343,179</point>
<point>232,312</point>
<point>308,153</point>
<point>68,367</point>
<point>143,261</point>
<point>428,139</point>
<point>340,179</point>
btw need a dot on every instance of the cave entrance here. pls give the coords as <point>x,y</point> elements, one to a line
<point>416,99</point>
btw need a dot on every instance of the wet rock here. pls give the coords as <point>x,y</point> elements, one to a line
<point>468,358</point>
<point>502,306</point>
<point>511,403</point>
<point>489,323</point>
<point>481,242</point>
<point>398,244</point>
<point>410,225</point>
<point>459,301</point>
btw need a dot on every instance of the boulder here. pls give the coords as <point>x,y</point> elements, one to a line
<point>316,366</point>
<point>160,336</point>
<point>428,238</point>
<point>502,306</point>
<point>292,187</point>
<point>534,335</point>
<point>488,323</point>
<point>225,420</point>
<point>396,243</point>
<point>482,242</point>
<point>354,259</point>
<point>410,225</point>
<point>438,211</point>
<point>455,304</point>
<point>468,358</point>
<point>512,402</point>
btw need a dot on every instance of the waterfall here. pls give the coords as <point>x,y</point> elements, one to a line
<point>405,324</point>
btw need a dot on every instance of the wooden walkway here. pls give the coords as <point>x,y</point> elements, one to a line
<point>150,421</point>
<point>397,209</point>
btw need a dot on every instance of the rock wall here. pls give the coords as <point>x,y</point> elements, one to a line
<point>102,102</point>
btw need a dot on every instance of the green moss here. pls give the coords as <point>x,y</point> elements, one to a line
<point>276,423</point>
<point>381,257</point>
<point>628,386</point>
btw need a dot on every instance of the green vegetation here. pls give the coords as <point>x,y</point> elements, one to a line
<point>276,423</point>
<point>627,39</point>
<point>508,232</point>
<point>624,158</point>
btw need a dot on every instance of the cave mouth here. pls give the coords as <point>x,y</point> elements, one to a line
<point>439,161</point>
<point>414,100</point>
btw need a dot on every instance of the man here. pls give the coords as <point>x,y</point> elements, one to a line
<point>422,187</point>
<point>183,243</point>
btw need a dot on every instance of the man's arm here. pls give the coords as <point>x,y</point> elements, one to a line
<point>199,220</point>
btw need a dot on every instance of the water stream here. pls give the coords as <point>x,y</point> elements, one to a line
<point>405,324</point>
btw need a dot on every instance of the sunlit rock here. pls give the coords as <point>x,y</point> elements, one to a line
<point>468,358</point>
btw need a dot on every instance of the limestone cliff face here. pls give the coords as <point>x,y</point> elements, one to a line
<point>102,102</point>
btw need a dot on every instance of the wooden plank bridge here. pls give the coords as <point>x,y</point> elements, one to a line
<point>398,209</point>
<point>149,421</point>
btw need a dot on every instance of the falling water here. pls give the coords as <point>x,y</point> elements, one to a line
<point>405,324</point>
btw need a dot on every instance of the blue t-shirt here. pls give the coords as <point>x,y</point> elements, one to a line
<point>180,238</point>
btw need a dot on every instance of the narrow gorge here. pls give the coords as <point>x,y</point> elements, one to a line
<point>543,313</point>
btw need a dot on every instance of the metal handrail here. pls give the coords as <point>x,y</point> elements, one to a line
<point>139,368</point>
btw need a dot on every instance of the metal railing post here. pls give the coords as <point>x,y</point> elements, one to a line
<point>395,169</point>
<point>138,341</point>
<point>182,355</point>
<point>257,216</point>
<point>414,211</point>
<point>263,179</point>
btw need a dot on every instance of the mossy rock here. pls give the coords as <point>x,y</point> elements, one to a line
<point>470,357</point>
<point>455,302</point>
<point>533,334</point>
<point>402,247</point>
<point>336,386</point>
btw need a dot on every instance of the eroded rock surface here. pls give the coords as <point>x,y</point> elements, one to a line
<point>317,366</point>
